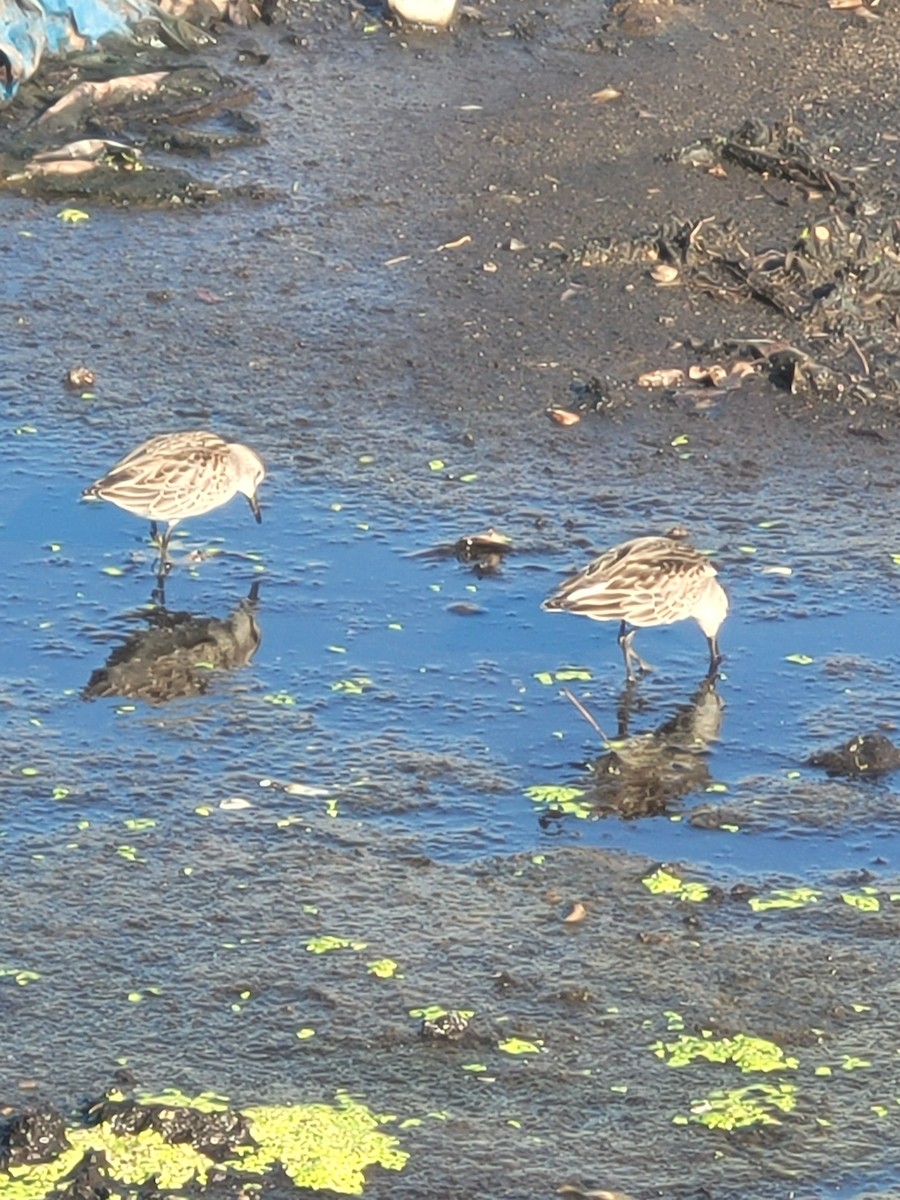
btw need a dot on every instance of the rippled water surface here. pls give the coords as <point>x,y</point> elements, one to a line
<point>414,691</point>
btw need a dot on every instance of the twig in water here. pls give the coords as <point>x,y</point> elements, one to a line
<point>588,716</point>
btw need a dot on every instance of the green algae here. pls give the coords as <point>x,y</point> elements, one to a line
<point>866,899</point>
<point>745,1052</point>
<point>22,976</point>
<point>740,1108</point>
<point>36,1181</point>
<point>663,883</point>
<point>317,1145</point>
<point>433,1012</point>
<point>134,1158</point>
<point>328,943</point>
<point>131,1160</point>
<point>384,968</point>
<point>566,799</point>
<point>320,1146</point>
<point>205,1102</point>
<point>356,686</point>
<point>798,897</point>
<point>516,1045</point>
<point>564,675</point>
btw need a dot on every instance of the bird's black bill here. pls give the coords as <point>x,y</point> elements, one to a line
<point>254,508</point>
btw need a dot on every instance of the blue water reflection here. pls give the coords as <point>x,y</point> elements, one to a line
<point>370,684</point>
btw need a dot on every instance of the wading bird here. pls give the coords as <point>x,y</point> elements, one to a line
<point>180,475</point>
<point>648,581</point>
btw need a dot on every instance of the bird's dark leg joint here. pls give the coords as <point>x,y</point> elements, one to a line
<point>716,657</point>
<point>626,637</point>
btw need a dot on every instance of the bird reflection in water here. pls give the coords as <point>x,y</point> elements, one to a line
<point>179,654</point>
<point>642,774</point>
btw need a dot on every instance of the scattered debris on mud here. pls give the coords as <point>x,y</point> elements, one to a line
<point>865,754</point>
<point>836,286</point>
<point>484,552</point>
<point>104,140</point>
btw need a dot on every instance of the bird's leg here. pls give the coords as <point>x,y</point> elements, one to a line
<point>162,546</point>
<point>715,657</point>
<point>626,637</point>
<point>164,565</point>
<point>625,643</point>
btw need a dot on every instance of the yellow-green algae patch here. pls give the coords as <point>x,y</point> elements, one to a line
<point>36,1182</point>
<point>384,968</point>
<point>133,1158</point>
<point>663,883</point>
<point>566,799</point>
<point>739,1108</point>
<point>353,687</point>
<point>130,1159</point>
<point>328,943</point>
<point>434,1012</point>
<point>564,675</point>
<point>208,1102</point>
<point>866,899</point>
<point>747,1053</point>
<point>516,1045</point>
<point>798,897</point>
<point>317,1145</point>
<point>22,976</point>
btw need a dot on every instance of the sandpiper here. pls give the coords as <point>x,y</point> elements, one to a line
<point>648,581</point>
<point>180,475</point>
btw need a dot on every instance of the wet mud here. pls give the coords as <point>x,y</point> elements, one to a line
<point>562,1074</point>
<point>451,240</point>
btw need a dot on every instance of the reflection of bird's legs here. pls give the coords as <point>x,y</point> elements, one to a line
<point>626,637</point>
<point>623,709</point>
<point>158,595</point>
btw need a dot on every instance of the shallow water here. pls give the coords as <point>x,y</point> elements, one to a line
<point>447,702</point>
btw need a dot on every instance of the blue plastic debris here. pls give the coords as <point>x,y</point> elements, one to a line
<point>31,28</point>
